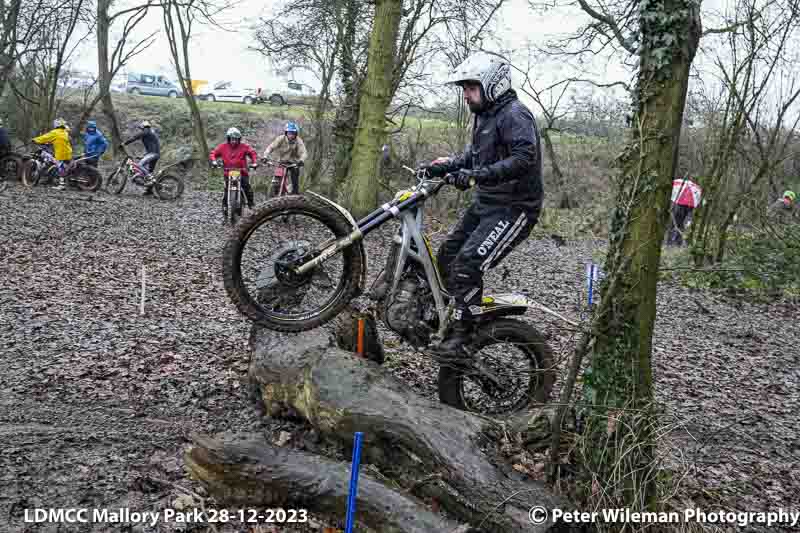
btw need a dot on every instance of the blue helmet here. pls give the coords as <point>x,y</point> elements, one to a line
<point>91,125</point>
<point>291,127</point>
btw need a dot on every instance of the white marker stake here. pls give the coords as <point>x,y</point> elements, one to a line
<point>141,304</point>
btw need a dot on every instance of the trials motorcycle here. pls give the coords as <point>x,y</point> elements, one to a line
<point>297,279</point>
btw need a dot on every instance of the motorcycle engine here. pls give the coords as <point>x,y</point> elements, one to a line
<point>409,311</point>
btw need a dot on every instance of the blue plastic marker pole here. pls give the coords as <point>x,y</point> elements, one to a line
<point>351,496</point>
<point>591,283</point>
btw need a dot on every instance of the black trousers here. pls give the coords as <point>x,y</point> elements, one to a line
<point>679,213</point>
<point>482,238</point>
<point>248,191</point>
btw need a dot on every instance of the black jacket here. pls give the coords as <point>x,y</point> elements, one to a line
<point>505,141</point>
<point>149,139</point>
<point>5,142</point>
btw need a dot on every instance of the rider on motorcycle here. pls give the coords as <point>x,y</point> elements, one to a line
<point>505,162</point>
<point>62,147</point>
<point>288,147</point>
<point>233,154</point>
<point>152,150</point>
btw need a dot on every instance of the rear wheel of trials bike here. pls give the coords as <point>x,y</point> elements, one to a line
<point>88,178</point>
<point>513,350</point>
<point>168,187</point>
<point>265,290</point>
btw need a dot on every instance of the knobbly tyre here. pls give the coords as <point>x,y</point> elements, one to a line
<point>166,186</point>
<point>235,192</point>
<point>322,250</point>
<point>41,168</point>
<point>280,180</point>
<point>11,165</point>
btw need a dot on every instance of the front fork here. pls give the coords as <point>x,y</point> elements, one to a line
<point>329,250</point>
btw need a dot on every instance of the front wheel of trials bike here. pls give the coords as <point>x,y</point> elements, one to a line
<point>234,203</point>
<point>116,181</point>
<point>259,277</point>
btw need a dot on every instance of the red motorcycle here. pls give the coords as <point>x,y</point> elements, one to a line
<point>281,179</point>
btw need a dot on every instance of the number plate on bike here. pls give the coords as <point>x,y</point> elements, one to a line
<point>279,172</point>
<point>234,173</point>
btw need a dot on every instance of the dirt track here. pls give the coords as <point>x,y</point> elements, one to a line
<point>97,402</point>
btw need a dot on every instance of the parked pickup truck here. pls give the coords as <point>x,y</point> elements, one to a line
<point>295,93</point>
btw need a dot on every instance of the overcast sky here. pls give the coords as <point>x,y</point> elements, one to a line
<point>218,54</point>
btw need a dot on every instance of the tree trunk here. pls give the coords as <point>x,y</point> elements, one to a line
<point>619,450</point>
<point>347,113</point>
<point>198,126</point>
<point>104,72</point>
<point>430,450</point>
<point>8,40</point>
<point>376,94</point>
<point>565,200</point>
<point>321,138</point>
<point>180,57</point>
<point>253,473</point>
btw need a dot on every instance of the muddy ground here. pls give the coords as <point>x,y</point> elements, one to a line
<point>97,402</point>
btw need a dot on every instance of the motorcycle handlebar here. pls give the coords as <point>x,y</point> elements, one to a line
<point>287,164</point>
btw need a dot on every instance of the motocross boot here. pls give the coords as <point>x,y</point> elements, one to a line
<point>454,347</point>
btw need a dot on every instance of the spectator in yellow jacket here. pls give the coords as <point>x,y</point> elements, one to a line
<point>62,147</point>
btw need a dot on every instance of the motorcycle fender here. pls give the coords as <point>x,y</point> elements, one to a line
<point>353,224</point>
<point>498,305</point>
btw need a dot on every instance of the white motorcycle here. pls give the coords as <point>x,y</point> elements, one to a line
<point>296,282</point>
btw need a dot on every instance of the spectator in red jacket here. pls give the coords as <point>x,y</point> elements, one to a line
<point>234,154</point>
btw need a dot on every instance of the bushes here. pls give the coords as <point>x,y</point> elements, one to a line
<point>769,258</point>
<point>764,259</point>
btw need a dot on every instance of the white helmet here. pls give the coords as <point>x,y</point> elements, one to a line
<point>233,133</point>
<point>492,72</point>
<point>59,123</point>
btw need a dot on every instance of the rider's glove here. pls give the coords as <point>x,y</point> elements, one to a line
<point>464,177</point>
<point>460,180</point>
<point>437,168</point>
<point>479,176</point>
<point>215,163</point>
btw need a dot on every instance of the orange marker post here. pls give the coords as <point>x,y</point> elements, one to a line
<point>360,341</point>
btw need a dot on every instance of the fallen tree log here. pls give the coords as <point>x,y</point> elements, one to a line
<point>404,434</point>
<point>252,473</point>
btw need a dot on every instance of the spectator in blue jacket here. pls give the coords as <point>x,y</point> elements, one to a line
<point>94,143</point>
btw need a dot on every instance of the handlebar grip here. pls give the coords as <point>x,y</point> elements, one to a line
<point>446,178</point>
